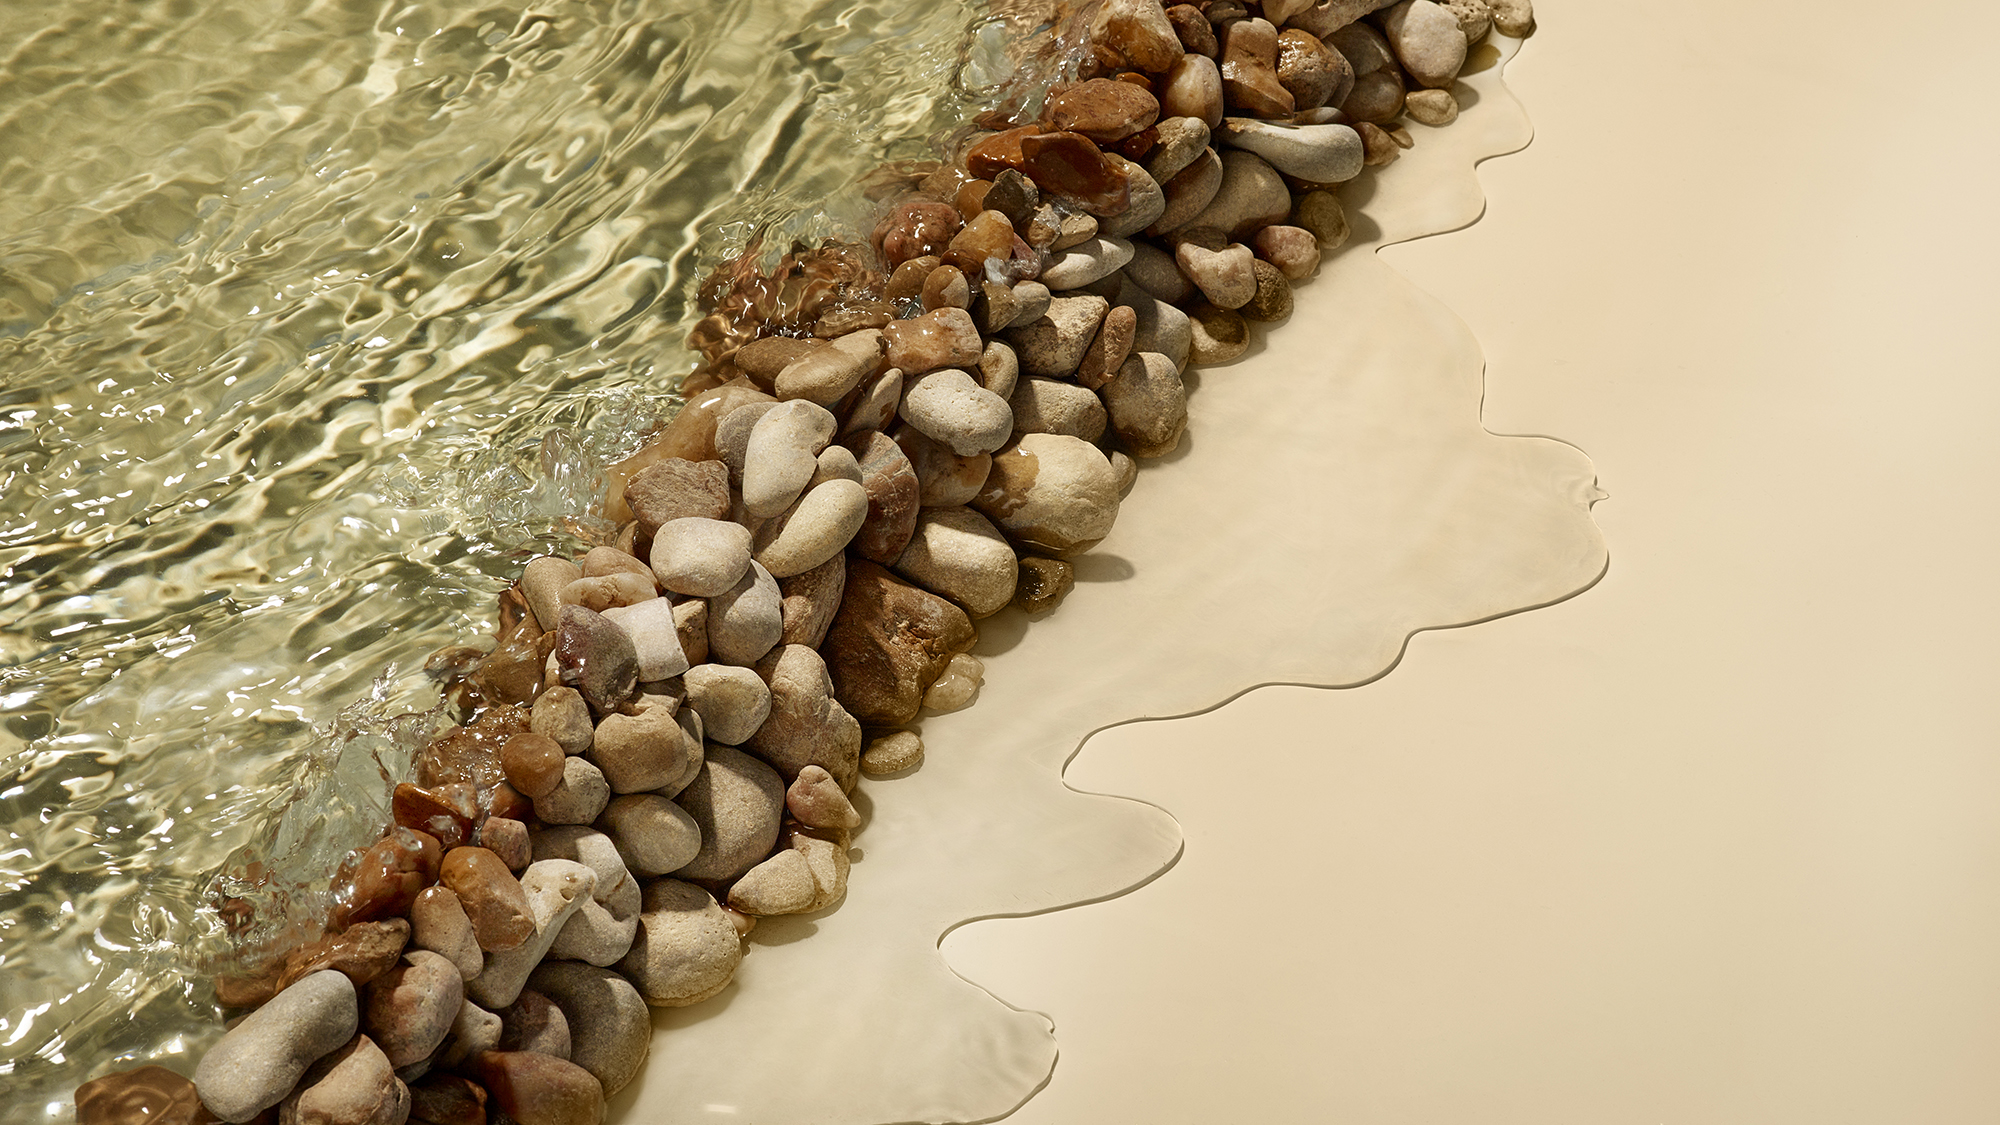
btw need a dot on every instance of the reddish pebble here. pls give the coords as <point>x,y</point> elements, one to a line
<point>536,1089</point>
<point>507,838</point>
<point>152,1095</point>
<point>388,877</point>
<point>433,813</point>
<point>914,229</point>
<point>510,802</point>
<point>447,1099</point>
<point>1068,164</point>
<point>492,897</point>
<point>533,763</point>
<point>999,152</point>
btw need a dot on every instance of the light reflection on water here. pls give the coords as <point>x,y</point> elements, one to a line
<point>316,318</point>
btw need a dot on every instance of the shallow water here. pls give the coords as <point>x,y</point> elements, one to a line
<point>317,318</point>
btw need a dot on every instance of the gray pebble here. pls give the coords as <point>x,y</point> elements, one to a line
<point>653,835</point>
<point>259,1061</point>
<point>700,557</point>
<point>611,1028</point>
<point>736,801</point>
<point>747,620</point>
<point>578,798</point>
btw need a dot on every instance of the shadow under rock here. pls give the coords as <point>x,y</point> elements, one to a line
<point>1093,566</point>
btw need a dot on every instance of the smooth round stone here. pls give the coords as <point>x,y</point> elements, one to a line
<point>807,726</point>
<point>475,1030</point>
<point>1031,302</point>
<point>1181,139</point>
<point>940,338</point>
<point>355,1085</point>
<point>778,461</point>
<point>1293,250</point>
<point>1080,265</point>
<point>1514,18</point>
<point>1135,34</point>
<point>945,288</point>
<point>534,1023</point>
<point>1108,351</point>
<point>637,752</point>
<point>950,407</point>
<point>1324,154</point>
<point>1225,276</point>
<point>601,929</point>
<point>490,894</point>
<point>1312,72</point>
<point>999,368</point>
<point>876,407</point>
<point>1161,327</point>
<point>542,582</point>
<point>652,834</point>
<point>736,801</point>
<point>732,436</point>
<point>1273,299</point>
<point>438,923</point>
<point>259,1061</point>
<point>686,949</point>
<point>561,714</point>
<point>655,638</point>
<point>447,1099</point>
<point>958,553</point>
<point>1361,45</point>
<point>1102,109</point>
<point>1252,195</point>
<point>583,844</point>
<point>944,479</point>
<point>1376,98</point>
<point>746,621</point>
<point>782,884</point>
<point>537,1089</point>
<point>611,1028</point>
<point>578,800</point>
<point>701,558</point>
<point>1054,345</point>
<point>1052,492</point>
<point>556,890</point>
<point>1155,271</point>
<point>1147,404</point>
<point>1320,212</point>
<point>816,800</point>
<point>1427,41</point>
<point>893,753</point>
<point>732,702</point>
<point>507,838</point>
<point>1189,192</point>
<point>836,462</point>
<point>820,527</point>
<point>409,1009</point>
<point>1148,202</point>
<point>1193,89</point>
<point>1055,406</point>
<point>533,763</point>
<point>824,375</point>
<point>1432,107</point>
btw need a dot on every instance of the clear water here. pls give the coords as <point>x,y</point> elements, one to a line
<point>317,317</point>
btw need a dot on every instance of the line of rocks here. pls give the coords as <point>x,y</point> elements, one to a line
<point>659,748</point>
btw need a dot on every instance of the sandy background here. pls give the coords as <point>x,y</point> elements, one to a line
<point>1716,841</point>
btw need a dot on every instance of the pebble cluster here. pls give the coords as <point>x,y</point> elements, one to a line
<point>659,748</point>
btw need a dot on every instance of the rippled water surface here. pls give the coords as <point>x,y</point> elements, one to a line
<point>317,318</point>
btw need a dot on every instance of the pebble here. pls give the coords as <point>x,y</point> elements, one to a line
<point>806,726</point>
<point>475,1030</point>
<point>388,876</point>
<point>1514,18</point>
<point>561,714</point>
<point>1376,97</point>
<point>691,624</point>
<point>1475,17</point>
<point>943,477</point>
<point>914,229</point>
<point>1189,192</point>
<point>354,1085</point>
<point>1155,270</point>
<point>1432,107</point>
<point>826,374</point>
<point>1147,404</point>
<point>1324,154</point>
<point>958,687</point>
<point>732,702</point>
<point>817,529</point>
<point>940,338</point>
<point>816,800</point>
<point>1161,327</point>
<point>950,407</point>
<point>945,287</point>
<point>1031,298</point>
<point>652,834</point>
<point>891,488</point>
<point>1427,41</point>
<point>1108,350</point>
<point>1126,469</point>
<point>542,582</point>
<point>994,307</point>
<point>782,884</point>
<point>1193,29</point>
<point>534,1023</point>
<point>408,1009</point>
<point>439,924</point>
<point>888,643</point>
<point>1294,250</point>
<point>492,897</point>
<point>1069,165</point>
<point>601,930</point>
<point>762,359</point>
<point>1273,300</point>
<point>893,753</point>
<point>579,798</point>
<point>1327,16</point>
<point>1148,202</point>
<point>609,590</point>
<point>1081,265</point>
<point>1133,34</point>
<point>1362,45</point>
<point>809,600</point>
<point>507,838</point>
<point>596,658</point>
<point>536,1089</point>
<point>687,948</point>
<point>877,405</point>
<point>1220,335</point>
<point>152,1095</point>
<point>1313,73</point>
<point>655,638</point>
<point>987,235</point>
<point>447,1099</point>
<point>1102,109</point>
<point>1044,584</point>
<point>999,368</point>
<point>701,558</point>
<point>1222,272</point>
<point>611,1028</point>
<point>828,861</point>
<point>556,889</point>
<point>958,553</point>
<point>258,1062</point>
<point>1055,406</point>
<point>1250,69</point>
<point>636,753</point>
<point>1381,145</point>
<point>1193,89</point>
<point>732,436</point>
<point>1320,212</point>
<point>1054,345</point>
<point>583,844</point>
<point>780,457</point>
<point>601,562</point>
<point>361,952</point>
<point>1252,195</point>
<point>691,435</point>
<point>1181,140</point>
<point>1073,229</point>
<point>736,801</point>
<point>1014,196</point>
<point>746,621</point>
<point>1053,493</point>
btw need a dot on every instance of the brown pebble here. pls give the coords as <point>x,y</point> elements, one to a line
<point>1196,34</point>
<point>1043,583</point>
<point>561,714</point>
<point>507,838</point>
<point>1071,166</point>
<point>492,897</point>
<point>1110,347</point>
<point>150,1095</point>
<point>533,763</point>
<point>914,229</point>
<point>1105,110</point>
<point>361,953</point>
<point>447,1099</point>
<point>388,877</point>
<point>1273,301</point>
<point>856,316</point>
<point>945,287</point>
<point>449,821</point>
<point>509,802</point>
<point>762,360</point>
<point>971,197</point>
<point>438,923</point>
<point>1381,148</point>
<point>1015,196</point>
<point>678,489</point>
<point>893,753</point>
<point>906,281</point>
<point>1321,213</point>
<point>987,235</point>
<point>536,1089</point>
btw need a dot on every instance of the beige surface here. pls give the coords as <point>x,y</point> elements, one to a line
<point>1715,841</point>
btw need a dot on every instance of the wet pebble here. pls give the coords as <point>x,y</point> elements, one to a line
<point>825,375</point>
<point>943,478</point>
<point>561,714</point>
<point>1054,345</point>
<point>532,763</point>
<point>542,581</point>
<point>893,753</point>
<point>555,889</point>
<point>1193,89</point>
<point>888,643</point>
<point>1044,584</point>
<point>507,838</point>
<point>1427,41</point>
<point>355,1085</point>
<point>940,338</point>
<point>1250,69</point>
<point>958,687</point>
<point>655,638</point>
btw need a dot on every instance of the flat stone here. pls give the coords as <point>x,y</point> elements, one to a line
<point>1148,405</point>
<point>687,948</point>
<point>260,1060</point>
<point>1081,265</point>
<point>1104,110</point>
<point>1324,154</point>
<point>1325,17</point>
<point>736,801</point>
<point>561,714</point>
<point>1053,493</point>
<point>1189,192</point>
<point>1133,34</point>
<point>701,558</point>
<point>958,553</point>
<point>1070,166</point>
<point>1161,327</point>
<point>825,375</point>
<point>361,952</point>
<point>888,643</point>
<point>940,338</point>
<point>809,599</point>
<point>678,489</point>
<point>1057,406</point>
<point>893,753</point>
<point>596,657</point>
<point>745,622</point>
